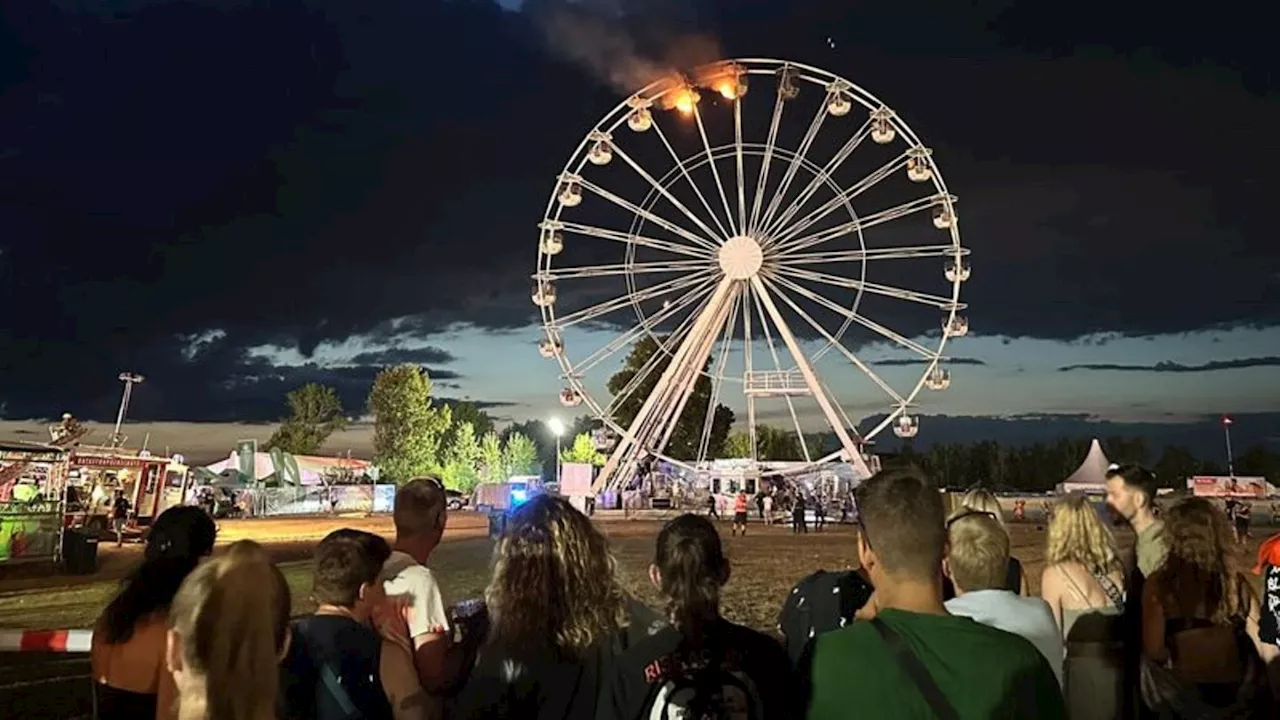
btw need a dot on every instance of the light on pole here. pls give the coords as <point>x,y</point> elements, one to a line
<point>1226,433</point>
<point>557,428</point>
<point>129,380</point>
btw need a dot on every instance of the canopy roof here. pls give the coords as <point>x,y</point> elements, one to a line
<point>310,467</point>
<point>1093,471</point>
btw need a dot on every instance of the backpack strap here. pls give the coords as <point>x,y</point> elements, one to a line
<point>919,674</point>
<point>329,678</point>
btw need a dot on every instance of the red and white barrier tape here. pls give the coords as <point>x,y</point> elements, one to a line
<point>74,641</point>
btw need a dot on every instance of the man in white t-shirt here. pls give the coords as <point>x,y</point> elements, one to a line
<point>977,561</point>
<point>427,664</point>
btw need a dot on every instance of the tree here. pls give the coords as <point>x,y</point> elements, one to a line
<point>492,466</point>
<point>407,429</point>
<point>315,413</point>
<point>583,450</point>
<point>686,439</point>
<point>520,455</point>
<point>774,443</point>
<point>737,445</point>
<point>467,412</point>
<point>1175,465</point>
<point>460,470</point>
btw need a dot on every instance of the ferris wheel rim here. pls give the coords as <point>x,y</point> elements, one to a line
<point>656,90</point>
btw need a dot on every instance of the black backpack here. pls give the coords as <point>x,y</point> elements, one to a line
<point>821,602</point>
<point>710,693</point>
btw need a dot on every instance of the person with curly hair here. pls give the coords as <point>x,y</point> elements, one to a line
<point>558,619</point>
<point>1201,648</point>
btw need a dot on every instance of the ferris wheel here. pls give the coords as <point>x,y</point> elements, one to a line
<point>765,250</point>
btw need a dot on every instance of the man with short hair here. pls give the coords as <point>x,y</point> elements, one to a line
<point>334,669</point>
<point>1131,495</point>
<point>977,561</point>
<point>420,513</point>
<point>914,659</point>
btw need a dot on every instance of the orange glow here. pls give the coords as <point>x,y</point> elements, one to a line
<point>684,100</point>
<point>727,88</point>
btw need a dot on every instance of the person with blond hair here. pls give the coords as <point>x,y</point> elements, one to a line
<point>228,632</point>
<point>558,619</point>
<point>984,501</point>
<point>1082,583</point>
<point>977,555</point>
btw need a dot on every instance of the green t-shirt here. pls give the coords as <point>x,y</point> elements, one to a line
<point>986,674</point>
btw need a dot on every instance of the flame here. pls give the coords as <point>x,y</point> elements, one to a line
<point>728,88</point>
<point>683,100</point>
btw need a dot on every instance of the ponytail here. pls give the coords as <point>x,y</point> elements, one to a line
<point>232,615</point>
<point>692,565</point>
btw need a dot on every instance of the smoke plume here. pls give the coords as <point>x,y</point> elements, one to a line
<point>595,36</point>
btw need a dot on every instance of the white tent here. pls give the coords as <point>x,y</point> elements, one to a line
<point>1092,473</point>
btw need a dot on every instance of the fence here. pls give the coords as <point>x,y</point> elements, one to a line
<point>314,499</point>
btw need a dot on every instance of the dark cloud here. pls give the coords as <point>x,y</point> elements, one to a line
<point>396,356</point>
<point>1172,367</point>
<point>295,173</point>
<point>913,361</point>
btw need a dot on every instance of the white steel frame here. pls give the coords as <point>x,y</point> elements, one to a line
<point>770,251</point>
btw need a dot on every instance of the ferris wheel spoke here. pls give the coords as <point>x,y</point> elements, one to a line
<point>705,247</point>
<point>747,341</point>
<point>943,303</point>
<point>742,180</point>
<point>664,192</point>
<point>623,237</point>
<point>762,180</point>
<point>862,223</point>
<point>657,358</point>
<point>684,170</point>
<point>641,328</point>
<point>894,253</point>
<point>591,271</point>
<point>839,346</point>
<point>815,184</point>
<point>831,205</point>
<point>615,304</point>
<point>794,166</point>
<point>868,323</point>
<point>711,160</point>
<point>777,364</point>
<point>717,381</point>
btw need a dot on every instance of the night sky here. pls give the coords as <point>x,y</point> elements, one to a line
<point>233,197</point>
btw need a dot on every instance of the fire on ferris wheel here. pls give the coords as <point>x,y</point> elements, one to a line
<point>764,246</point>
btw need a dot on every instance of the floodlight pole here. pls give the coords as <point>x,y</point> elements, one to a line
<point>129,379</point>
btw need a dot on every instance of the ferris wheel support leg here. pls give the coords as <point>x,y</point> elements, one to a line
<point>675,378</point>
<point>694,371</point>
<point>851,452</point>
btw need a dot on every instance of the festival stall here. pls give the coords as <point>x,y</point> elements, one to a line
<point>32,482</point>
<point>278,483</point>
<point>1091,477</point>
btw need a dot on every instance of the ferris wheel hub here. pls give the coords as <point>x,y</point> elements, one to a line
<point>741,257</point>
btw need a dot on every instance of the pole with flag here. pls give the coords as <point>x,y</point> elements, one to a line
<point>1227,422</point>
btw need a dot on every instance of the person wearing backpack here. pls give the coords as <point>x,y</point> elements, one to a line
<point>700,665</point>
<point>1201,653</point>
<point>913,658</point>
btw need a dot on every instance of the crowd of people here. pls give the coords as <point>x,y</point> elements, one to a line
<point>937,621</point>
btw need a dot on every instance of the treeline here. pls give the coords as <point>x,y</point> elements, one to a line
<point>1040,466</point>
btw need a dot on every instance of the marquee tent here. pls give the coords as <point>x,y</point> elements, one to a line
<point>312,468</point>
<point>1091,476</point>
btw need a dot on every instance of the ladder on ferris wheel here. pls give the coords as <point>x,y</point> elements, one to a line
<point>775,383</point>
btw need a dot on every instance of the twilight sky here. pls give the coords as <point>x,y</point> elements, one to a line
<point>233,197</point>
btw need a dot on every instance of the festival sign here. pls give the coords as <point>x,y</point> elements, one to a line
<point>1227,486</point>
<point>113,461</point>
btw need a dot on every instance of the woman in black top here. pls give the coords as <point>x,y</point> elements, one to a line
<point>700,665</point>
<point>558,617</point>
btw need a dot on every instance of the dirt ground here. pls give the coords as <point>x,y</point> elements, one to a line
<point>766,563</point>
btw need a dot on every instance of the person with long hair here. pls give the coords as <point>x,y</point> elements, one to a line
<point>228,632</point>
<point>1083,583</point>
<point>558,617</point>
<point>984,501</point>
<point>700,665</point>
<point>128,648</point>
<point>1200,616</point>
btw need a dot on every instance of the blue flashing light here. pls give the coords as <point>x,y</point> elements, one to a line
<point>518,496</point>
